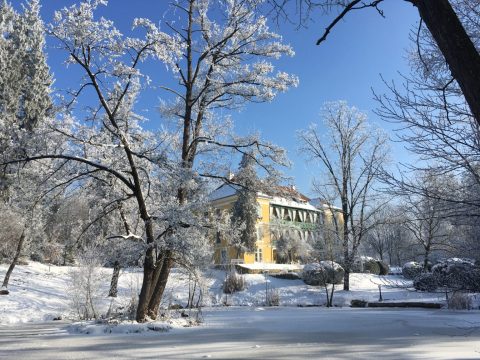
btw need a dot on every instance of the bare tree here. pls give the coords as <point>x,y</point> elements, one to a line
<point>436,123</point>
<point>382,234</point>
<point>427,218</point>
<point>351,154</point>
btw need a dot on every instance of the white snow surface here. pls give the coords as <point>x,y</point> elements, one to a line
<point>266,333</point>
<point>39,292</point>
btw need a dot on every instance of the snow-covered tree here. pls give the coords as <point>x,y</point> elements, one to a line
<point>224,64</point>
<point>245,209</point>
<point>351,154</point>
<point>433,117</point>
<point>218,51</point>
<point>24,105</point>
<point>25,78</point>
<point>427,218</point>
<point>388,238</point>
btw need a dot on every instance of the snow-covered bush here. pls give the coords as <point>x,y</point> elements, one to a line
<point>460,301</point>
<point>273,297</point>
<point>52,253</point>
<point>369,265</point>
<point>453,274</point>
<point>457,273</point>
<point>426,282</point>
<point>411,270</point>
<point>384,268</point>
<point>85,285</point>
<point>233,283</point>
<point>287,276</point>
<point>322,273</point>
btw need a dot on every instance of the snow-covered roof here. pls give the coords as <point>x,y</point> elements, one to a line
<point>322,204</point>
<point>276,200</point>
<point>224,191</point>
<point>293,199</point>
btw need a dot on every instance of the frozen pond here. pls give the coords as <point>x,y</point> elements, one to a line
<point>267,333</point>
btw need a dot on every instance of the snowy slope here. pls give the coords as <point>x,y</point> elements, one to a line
<point>39,293</point>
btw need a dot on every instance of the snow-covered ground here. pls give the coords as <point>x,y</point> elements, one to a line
<point>39,292</point>
<point>267,333</point>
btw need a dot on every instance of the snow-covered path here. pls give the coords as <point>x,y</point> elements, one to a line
<point>271,333</point>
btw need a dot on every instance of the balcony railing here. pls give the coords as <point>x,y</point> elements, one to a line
<point>297,224</point>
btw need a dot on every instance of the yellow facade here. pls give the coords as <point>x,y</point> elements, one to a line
<point>268,219</point>
<point>264,252</point>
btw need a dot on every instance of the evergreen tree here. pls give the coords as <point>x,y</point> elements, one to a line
<point>245,208</point>
<point>24,74</point>
<point>24,103</point>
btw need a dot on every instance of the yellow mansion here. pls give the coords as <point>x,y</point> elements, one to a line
<point>290,211</point>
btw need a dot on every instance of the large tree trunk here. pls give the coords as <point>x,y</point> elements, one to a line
<point>114,283</point>
<point>456,46</point>
<point>160,285</point>
<point>15,260</point>
<point>148,275</point>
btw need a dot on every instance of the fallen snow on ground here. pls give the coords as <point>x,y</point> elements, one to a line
<point>267,333</point>
<point>126,327</point>
<point>39,292</point>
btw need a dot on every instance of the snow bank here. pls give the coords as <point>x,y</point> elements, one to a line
<point>131,327</point>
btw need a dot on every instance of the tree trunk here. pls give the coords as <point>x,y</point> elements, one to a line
<point>114,283</point>
<point>456,46</point>
<point>160,285</point>
<point>15,260</point>
<point>346,252</point>
<point>156,275</point>
<point>346,279</point>
<point>425,259</point>
<point>143,299</point>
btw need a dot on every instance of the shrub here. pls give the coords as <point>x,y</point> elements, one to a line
<point>286,276</point>
<point>460,301</point>
<point>85,285</point>
<point>369,265</point>
<point>38,257</point>
<point>460,274</point>
<point>384,268</point>
<point>233,283</point>
<point>322,273</point>
<point>273,297</point>
<point>411,270</point>
<point>358,303</point>
<point>426,282</point>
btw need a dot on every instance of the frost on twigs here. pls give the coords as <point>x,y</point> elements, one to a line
<point>233,282</point>
<point>85,285</point>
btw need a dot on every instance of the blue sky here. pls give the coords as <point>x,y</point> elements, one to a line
<point>345,67</point>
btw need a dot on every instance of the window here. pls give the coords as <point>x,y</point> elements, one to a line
<point>219,238</point>
<point>259,211</point>
<point>224,257</point>
<point>258,255</point>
